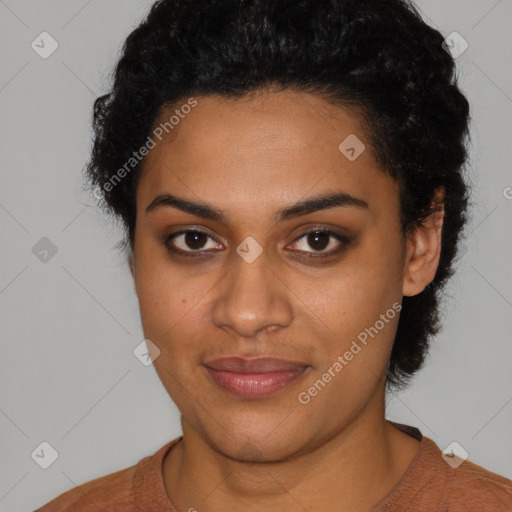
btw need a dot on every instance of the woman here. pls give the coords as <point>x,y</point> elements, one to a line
<point>290,179</point>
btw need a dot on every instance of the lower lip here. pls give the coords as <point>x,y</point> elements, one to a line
<point>254,385</point>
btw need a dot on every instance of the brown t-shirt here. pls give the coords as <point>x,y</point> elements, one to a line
<point>429,485</point>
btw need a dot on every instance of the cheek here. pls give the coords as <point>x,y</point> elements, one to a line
<point>166,298</point>
<point>362,316</point>
<point>355,294</point>
<point>170,308</point>
<point>359,305</point>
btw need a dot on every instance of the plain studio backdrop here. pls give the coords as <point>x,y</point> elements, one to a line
<point>69,314</point>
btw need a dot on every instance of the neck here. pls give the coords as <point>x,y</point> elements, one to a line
<point>352,470</point>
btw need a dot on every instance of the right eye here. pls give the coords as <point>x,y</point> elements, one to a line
<point>188,242</point>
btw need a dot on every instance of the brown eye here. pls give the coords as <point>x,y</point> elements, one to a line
<point>319,240</point>
<point>195,239</point>
<point>188,242</point>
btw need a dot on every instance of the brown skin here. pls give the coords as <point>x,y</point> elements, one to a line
<point>251,158</point>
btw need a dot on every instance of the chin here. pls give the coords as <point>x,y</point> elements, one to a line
<point>252,438</point>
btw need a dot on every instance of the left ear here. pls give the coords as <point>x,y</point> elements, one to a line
<point>423,249</point>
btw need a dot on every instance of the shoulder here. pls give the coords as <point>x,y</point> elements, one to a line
<point>438,481</point>
<point>130,489</point>
<point>111,492</point>
<point>480,489</point>
<point>466,486</point>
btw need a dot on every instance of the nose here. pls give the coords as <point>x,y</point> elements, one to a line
<point>252,298</point>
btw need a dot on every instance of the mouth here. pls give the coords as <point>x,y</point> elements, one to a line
<point>254,378</point>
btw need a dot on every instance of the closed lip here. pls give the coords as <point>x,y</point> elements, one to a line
<point>237,364</point>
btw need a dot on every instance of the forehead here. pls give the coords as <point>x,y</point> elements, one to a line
<point>267,149</point>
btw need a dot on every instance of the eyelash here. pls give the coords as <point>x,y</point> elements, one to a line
<point>345,241</point>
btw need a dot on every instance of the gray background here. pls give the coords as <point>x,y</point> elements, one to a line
<point>69,326</point>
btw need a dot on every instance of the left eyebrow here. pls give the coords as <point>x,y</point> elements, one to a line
<point>203,210</point>
<point>305,207</point>
<point>321,202</point>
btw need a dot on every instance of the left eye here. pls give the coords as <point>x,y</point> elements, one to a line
<point>318,239</point>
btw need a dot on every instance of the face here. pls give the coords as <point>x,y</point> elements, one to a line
<point>248,275</point>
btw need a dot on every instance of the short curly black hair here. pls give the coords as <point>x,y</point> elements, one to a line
<point>376,56</point>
